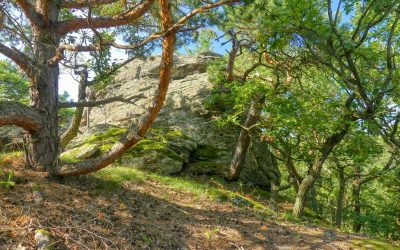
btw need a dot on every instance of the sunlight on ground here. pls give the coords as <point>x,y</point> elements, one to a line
<point>374,244</point>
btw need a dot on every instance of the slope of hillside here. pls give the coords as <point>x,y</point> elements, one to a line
<point>121,207</point>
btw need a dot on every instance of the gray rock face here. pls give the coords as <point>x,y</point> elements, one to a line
<point>87,152</point>
<point>11,138</point>
<point>205,148</point>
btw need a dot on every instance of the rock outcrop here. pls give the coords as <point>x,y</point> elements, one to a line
<point>184,137</point>
<point>11,138</point>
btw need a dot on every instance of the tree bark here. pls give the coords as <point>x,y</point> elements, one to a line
<point>18,114</point>
<point>301,196</point>
<point>315,170</point>
<point>340,198</point>
<point>297,179</point>
<point>73,128</point>
<point>232,56</point>
<point>79,4</point>
<point>42,145</point>
<point>356,199</point>
<point>244,137</point>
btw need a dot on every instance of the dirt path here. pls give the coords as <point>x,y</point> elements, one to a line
<point>142,214</point>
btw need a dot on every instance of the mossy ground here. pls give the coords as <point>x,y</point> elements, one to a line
<point>365,244</point>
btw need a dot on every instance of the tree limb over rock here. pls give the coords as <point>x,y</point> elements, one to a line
<point>135,131</point>
<point>120,98</point>
<point>18,114</point>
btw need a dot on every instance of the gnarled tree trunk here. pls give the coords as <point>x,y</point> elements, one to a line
<point>230,76</point>
<point>326,150</point>
<point>315,170</point>
<point>243,142</point>
<point>42,145</point>
<point>294,175</point>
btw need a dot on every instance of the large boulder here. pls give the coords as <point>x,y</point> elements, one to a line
<point>184,136</point>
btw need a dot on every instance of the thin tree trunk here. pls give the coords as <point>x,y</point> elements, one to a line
<point>72,130</point>
<point>297,179</point>
<point>301,196</point>
<point>91,97</point>
<point>243,142</point>
<point>340,198</point>
<point>313,200</point>
<point>356,199</point>
<point>232,56</point>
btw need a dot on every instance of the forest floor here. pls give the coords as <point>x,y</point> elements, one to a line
<point>123,208</point>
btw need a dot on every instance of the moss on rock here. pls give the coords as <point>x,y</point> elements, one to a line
<point>205,152</point>
<point>206,168</point>
<point>164,150</point>
<point>146,145</point>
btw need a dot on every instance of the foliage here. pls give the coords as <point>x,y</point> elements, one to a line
<point>310,61</point>
<point>8,183</point>
<point>13,85</point>
<point>203,41</point>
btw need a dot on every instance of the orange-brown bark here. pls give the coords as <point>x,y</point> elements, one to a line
<point>15,56</point>
<point>84,3</point>
<point>30,12</point>
<point>117,20</point>
<point>18,114</point>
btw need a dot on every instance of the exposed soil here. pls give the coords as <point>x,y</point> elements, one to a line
<point>142,215</point>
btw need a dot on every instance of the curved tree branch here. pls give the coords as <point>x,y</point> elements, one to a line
<point>131,100</point>
<point>79,4</point>
<point>30,12</point>
<point>73,128</point>
<point>135,132</point>
<point>117,20</point>
<point>18,114</point>
<point>390,165</point>
<point>97,47</point>
<point>16,56</point>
